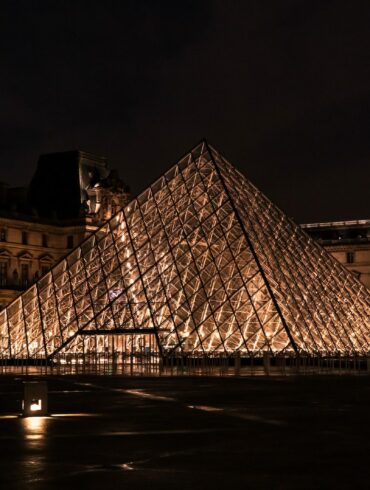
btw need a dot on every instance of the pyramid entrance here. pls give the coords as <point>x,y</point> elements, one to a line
<point>121,347</point>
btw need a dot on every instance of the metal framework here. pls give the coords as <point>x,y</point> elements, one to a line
<point>204,263</point>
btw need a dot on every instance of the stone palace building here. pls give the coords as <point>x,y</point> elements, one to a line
<point>70,195</point>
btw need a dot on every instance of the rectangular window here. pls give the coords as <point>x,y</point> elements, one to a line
<point>44,269</point>
<point>350,257</point>
<point>70,241</point>
<point>24,275</point>
<point>3,273</point>
<point>2,235</point>
<point>44,240</point>
<point>24,237</point>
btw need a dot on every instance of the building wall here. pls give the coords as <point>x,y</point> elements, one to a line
<point>348,242</point>
<point>70,195</point>
<point>28,250</point>
<point>355,258</point>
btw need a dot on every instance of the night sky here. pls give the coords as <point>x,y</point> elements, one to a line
<point>282,88</point>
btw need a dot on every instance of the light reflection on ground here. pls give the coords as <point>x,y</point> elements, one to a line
<point>205,408</point>
<point>149,396</point>
<point>34,425</point>
<point>57,415</point>
<point>214,431</point>
<point>32,465</point>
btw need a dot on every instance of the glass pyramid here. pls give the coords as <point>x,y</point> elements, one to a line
<point>205,261</point>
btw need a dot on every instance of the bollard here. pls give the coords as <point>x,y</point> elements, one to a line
<point>35,398</point>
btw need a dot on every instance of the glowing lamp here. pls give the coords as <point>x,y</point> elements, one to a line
<point>35,398</point>
<point>36,405</point>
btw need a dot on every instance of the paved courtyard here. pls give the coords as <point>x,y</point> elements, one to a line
<point>188,433</point>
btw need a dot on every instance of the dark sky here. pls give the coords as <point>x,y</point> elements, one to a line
<point>281,87</point>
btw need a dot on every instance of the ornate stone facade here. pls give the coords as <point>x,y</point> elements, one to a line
<point>348,242</point>
<point>28,249</point>
<point>70,195</point>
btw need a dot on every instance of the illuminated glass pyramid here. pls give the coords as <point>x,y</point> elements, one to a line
<point>204,260</point>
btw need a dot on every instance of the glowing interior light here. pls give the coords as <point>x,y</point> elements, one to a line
<point>35,405</point>
<point>193,266</point>
<point>114,293</point>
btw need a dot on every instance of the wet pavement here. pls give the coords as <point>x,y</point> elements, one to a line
<point>188,433</point>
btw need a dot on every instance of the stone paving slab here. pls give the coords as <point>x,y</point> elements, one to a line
<point>115,432</point>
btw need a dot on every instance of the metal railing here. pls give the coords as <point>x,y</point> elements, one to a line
<point>151,364</point>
